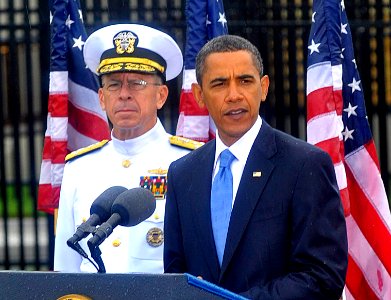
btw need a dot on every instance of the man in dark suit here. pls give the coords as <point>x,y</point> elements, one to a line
<point>286,233</point>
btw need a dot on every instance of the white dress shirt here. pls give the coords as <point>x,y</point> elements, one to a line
<point>240,149</point>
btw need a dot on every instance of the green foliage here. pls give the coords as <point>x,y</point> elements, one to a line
<point>13,208</point>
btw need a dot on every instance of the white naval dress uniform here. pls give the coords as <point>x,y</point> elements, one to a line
<point>86,177</point>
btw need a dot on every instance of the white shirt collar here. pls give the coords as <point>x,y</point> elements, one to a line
<point>242,147</point>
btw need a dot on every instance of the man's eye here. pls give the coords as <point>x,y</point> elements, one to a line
<point>136,83</point>
<point>217,83</point>
<point>113,85</point>
<point>245,81</point>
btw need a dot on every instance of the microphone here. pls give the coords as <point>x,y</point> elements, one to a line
<point>100,211</point>
<point>129,209</point>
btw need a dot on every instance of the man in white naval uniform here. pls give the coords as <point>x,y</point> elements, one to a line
<point>133,62</point>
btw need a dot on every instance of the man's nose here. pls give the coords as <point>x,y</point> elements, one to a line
<point>234,93</point>
<point>125,92</point>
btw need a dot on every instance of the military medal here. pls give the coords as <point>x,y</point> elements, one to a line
<point>155,237</point>
<point>156,184</point>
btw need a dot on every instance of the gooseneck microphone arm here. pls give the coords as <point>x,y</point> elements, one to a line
<point>73,242</point>
<point>103,231</point>
<point>100,212</point>
<point>129,209</point>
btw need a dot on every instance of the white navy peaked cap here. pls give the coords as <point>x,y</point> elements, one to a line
<point>132,48</point>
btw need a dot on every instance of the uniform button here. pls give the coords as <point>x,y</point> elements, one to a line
<point>126,163</point>
<point>116,243</point>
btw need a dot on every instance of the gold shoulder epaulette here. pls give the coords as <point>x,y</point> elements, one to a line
<point>85,150</point>
<point>185,143</point>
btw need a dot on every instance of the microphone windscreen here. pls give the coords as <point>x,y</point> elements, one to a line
<point>102,205</point>
<point>134,206</point>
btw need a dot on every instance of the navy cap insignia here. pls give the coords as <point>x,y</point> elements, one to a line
<point>125,41</point>
<point>155,237</point>
<point>156,184</point>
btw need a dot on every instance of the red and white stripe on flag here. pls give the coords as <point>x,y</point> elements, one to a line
<point>193,122</point>
<point>324,118</point>
<point>55,143</point>
<point>337,122</point>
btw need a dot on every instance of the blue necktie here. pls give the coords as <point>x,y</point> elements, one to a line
<point>221,202</point>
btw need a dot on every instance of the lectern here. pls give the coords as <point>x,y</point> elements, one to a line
<point>53,285</point>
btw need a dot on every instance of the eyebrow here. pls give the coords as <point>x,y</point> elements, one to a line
<point>220,79</point>
<point>246,76</point>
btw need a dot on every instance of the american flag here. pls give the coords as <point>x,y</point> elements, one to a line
<point>75,118</point>
<point>337,122</point>
<point>205,20</point>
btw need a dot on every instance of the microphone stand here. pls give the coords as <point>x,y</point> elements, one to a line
<point>96,255</point>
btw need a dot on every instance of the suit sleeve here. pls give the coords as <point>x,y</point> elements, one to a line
<point>173,257</point>
<point>318,254</point>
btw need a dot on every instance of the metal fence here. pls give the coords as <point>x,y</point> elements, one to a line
<point>279,29</point>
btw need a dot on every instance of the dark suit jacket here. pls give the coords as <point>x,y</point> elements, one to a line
<point>287,234</point>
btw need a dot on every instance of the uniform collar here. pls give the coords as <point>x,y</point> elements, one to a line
<point>142,143</point>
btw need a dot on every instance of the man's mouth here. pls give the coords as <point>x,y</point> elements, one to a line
<point>235,112</point>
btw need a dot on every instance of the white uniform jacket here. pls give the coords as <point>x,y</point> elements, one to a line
<point>118,163</point>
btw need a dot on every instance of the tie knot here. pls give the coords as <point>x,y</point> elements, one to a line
<point>226,158</point>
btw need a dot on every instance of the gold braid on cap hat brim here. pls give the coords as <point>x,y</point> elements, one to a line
<point>137,60</point>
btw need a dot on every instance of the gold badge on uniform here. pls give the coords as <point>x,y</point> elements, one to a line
<point>125,41</point>
<point>156,184</point>
<point>155,237</point>
<point>158,171</point>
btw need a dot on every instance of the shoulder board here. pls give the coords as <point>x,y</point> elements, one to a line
<point>185,143</point>
<point>85,150</point>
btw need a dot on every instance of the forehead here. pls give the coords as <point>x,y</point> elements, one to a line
<point>126,75</point>
<point>228,62</point>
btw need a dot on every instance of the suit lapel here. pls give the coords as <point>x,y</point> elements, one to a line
<point>200,201</point>
<point>255,176</point>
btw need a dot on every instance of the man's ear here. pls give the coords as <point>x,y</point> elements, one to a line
<point>264,86</point>
<point>101,99</point>
<point>197,93</point>
<point>162,96</point>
